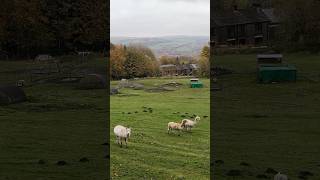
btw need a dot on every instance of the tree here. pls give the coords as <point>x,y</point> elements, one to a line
<point>300,24</point>
<point>132,61</point>
<point>167,60</point>
<point>204,63</point>
<point>117,60</point>
<point>31,27</point>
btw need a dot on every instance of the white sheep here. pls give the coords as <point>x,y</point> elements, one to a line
<point>280,176</point>
<point>175,126</point>
<point>122,133</point>
<point>190,123</point>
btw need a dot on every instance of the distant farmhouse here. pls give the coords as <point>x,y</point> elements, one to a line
<point>178,70</point>
<point>252,26</point>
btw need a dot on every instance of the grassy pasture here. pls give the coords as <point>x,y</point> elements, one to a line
<point>266,125</point>
<point>58,123</point>
<point>151,152</point>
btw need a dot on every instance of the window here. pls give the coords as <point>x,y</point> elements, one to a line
<point>258,27</point>
<point>231,31</point>
<point>242,30</point>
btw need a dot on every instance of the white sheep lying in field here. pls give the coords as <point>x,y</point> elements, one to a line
<point>122,133</point>
<point>175,126</point>
<point>190,123</point>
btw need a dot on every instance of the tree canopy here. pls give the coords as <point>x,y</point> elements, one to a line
<point>132,61</point>
<point>28,28</point>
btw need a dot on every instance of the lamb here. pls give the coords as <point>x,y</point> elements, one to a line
<point>175,126</point>
<point>122,133</point>
<point>190,123</point>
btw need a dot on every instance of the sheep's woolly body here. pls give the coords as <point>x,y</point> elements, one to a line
<point>175,126</point>
<point>190,123</point>
<point>122,133</point>
<point>280,176</point>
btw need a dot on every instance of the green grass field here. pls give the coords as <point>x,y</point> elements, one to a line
<point>58,123</point>
<point>151,152</point>
<point>266,125</point>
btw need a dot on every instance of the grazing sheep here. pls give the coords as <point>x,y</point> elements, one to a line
<point>190,123</point>
<point>175,126</point>
<point>280,176</point>
<point>122,133</point>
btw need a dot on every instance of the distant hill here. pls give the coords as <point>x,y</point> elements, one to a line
<point>168,45</point>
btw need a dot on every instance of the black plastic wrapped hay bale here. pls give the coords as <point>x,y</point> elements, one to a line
<point>92,81</point>
<point>11,95</point>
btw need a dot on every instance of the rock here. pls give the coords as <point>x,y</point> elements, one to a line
<point>244,164</point>
<point>41,161</point>
<point>61,163</point>
<point>219,162</point>
<point>105,144</point>
<point>114,91</point>
<point>84,159</point>
<point>262,176</point>
<point>305,173</point>
<point>234,172</point>
<point>270,171</point>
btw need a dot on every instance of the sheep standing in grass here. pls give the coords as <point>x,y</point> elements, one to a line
<point>280,176</point>
<point>190,123</point>
<point>175,126</point>
<point>122,133</point>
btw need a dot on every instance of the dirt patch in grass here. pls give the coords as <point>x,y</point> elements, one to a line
<point>159,89</point>
<point>49,107</point>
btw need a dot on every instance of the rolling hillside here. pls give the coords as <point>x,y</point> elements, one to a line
<point>168,45</point>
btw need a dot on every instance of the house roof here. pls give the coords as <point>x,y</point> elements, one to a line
<point>194,66</point>
<point>277,56</point>
<point>247,16</point>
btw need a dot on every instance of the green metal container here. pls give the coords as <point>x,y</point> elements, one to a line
<point>196,85</point>
<point>268,73</point>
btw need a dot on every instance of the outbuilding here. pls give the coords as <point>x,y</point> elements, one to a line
<point>269,58</point>
<point>195,83</point>
<point>277,73</point>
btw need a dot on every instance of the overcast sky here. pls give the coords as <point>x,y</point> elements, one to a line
<point>149,18</point>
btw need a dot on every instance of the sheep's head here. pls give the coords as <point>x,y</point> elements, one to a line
<point>183,123</point>
<point>197,118</point>
<point>128,132</point>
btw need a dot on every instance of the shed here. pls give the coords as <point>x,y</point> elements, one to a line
<point>11,94</point>
<point>269,58</point>
<point>195,83</point>
<point>277,73</point>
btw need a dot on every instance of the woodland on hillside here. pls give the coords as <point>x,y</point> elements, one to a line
<point>139,61</point>
<point>28,28</point>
